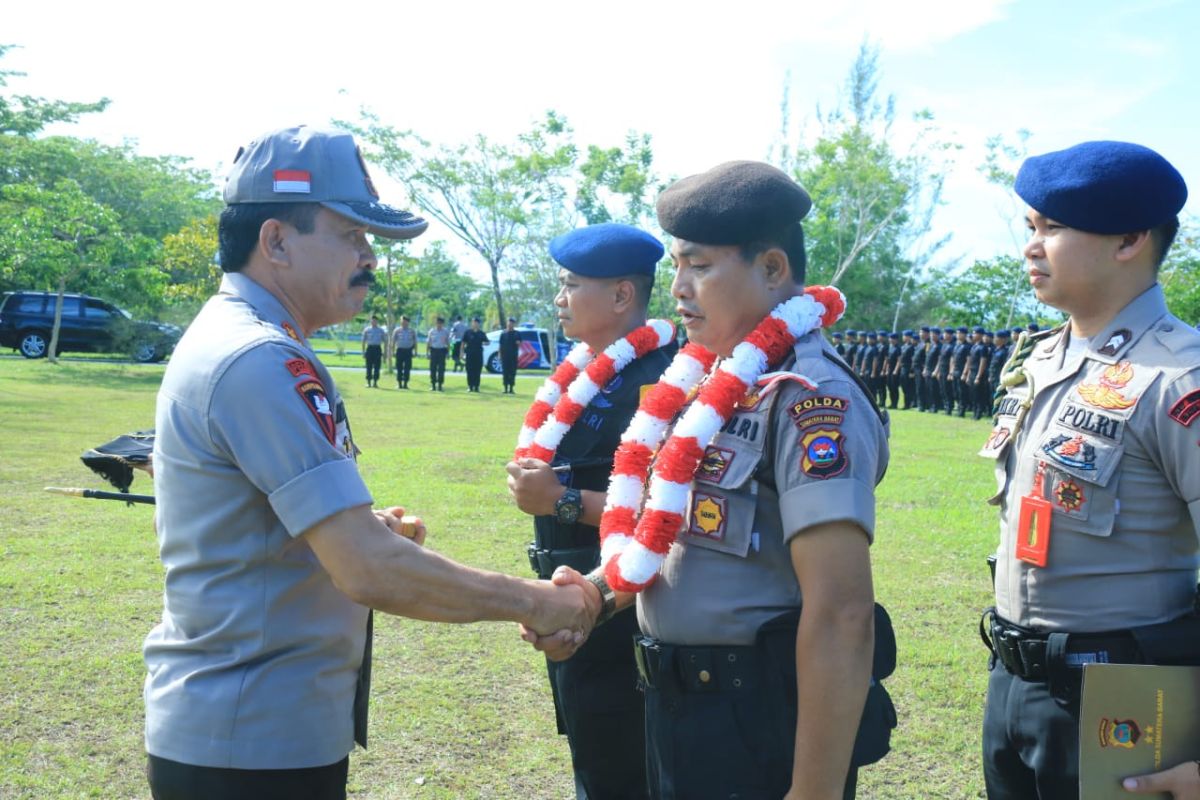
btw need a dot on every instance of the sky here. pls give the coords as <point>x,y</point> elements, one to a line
<point>704,79</point>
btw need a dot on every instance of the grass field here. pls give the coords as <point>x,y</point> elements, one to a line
<point>456,712</point>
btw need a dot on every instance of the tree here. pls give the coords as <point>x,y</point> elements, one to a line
<point>969,297</point>
<point>188,258</point>
<point>488,194</point>
<point>868,232</point>
<point>1180,275</point>
<point>25,115</point>
<point>51,236</point>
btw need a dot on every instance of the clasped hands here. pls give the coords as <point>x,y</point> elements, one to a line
<point>560,642</point>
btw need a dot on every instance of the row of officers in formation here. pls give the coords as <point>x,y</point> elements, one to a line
<point>934,369</point>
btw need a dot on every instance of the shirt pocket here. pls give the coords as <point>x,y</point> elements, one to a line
<point>1081,480</point>
<point>724,497</point>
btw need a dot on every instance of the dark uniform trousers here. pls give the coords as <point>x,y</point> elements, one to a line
<point>721,720</point>
<point>474,362</point>
<point>374,357</point>
<point>1031,719</point>
<point>404,357</point>
<point>437,366</point>
<point>171,780</point>
<point>508,370</point>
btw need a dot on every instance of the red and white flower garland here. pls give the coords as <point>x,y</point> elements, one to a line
<point>564,396</point>
<point>634,542</point>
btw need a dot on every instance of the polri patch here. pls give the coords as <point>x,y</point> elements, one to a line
<point>708,516</point>
<point>313,394</point>
<point>1083,419</point>
<point>1186,408</point>
<point>823,453</point>
<point>715,463</point>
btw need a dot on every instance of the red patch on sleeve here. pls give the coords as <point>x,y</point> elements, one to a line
<point>1186,409</point>
<point>300,366</point>
<point>312,392</point>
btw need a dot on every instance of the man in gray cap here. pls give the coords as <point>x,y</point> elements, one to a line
<point>746,696</point>
<point>1095,449</point>
<point>259,670</point>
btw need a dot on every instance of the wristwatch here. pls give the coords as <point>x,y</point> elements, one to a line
<point>569,507</point>
<point>608,598</point>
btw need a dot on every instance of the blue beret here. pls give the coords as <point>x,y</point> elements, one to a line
<point>893,335</point>
<point>607,250</point>
<point>871,334</point>
<point>837,334</point>
<point>934,329</point>
<point>980,329</point>
<point>851,333</point>
<point>737,202</point>
<point>1103,187</point>
<point>1033,327</point>
<point>963,329</point>
<point>925,329</point>
<point>1002,332</point>
<point>909,332</point>
<point>882,332</point>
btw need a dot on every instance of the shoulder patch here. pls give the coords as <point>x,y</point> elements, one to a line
<point>823,453</point>
<point>300,366</point>
<point>1186,408</point>
<point>312,392</point>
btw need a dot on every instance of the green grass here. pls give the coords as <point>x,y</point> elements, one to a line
<point>464,710</point>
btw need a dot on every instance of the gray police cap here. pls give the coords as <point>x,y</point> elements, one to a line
<point>308,165</point>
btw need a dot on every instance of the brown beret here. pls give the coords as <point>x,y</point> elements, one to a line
<point>737,202</point>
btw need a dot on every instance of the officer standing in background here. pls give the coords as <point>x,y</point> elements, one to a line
<point>437,347</point>
<point>1095,448</point>
<point>839,345</point>
<point>851,355</point>
<point>891,370</point>
<point>258,672</point>
<point>606,278</point>
<point>971,371</point>
<point>977,372</point>
<point>457,331</point>
<point>935,368</point>
<point>373,338</point>
<point>472,348</point>
<point>947,377</point>
<point>908,352</point>
<point>510,345</point>
<point>958,368</point>
<point>868,358</point>
<point>1000,353</point>
<point>920,354</point>
<point>404,342</point>
<point>773,512</point>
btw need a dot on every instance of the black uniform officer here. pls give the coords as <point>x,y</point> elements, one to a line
<point>971,374</point>
<point>920,353</point>
<point>472,344</point>
<point>892,369</point>
<point>510,345</point>
<point>933,358</point>
<point>868,359</point>
<point>851,354</point>
<point>595,692</point>
<point>958,366</point>
<point>838,344</point>
<point>905,373</point>
<point>1096,464</point>
<point>1000,351</point>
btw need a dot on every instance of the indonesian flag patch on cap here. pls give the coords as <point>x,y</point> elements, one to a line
<point>293,181</point>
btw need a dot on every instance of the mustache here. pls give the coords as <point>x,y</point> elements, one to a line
<point>364,278</point>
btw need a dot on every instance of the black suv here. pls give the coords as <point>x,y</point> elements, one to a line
<point>88,324</point>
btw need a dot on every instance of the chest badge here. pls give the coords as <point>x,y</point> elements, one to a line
<point>824,453</point>
<point>1071,451</point>
<point>1069,495</point>
<point>1115,342</point>
<point>715,464</point>
<point>1105,393</point>
<point>708,517</point>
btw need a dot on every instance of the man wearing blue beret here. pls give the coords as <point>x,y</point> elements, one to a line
<point>606,275</point>
<point>974,377</point>
<point>1000,350</point>
<point>1099,480</point>
<point>920,354</point>
<point>908,350</point>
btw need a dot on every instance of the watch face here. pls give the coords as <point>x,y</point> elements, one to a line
<point>568,512</point>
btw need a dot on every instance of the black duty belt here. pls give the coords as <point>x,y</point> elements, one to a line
<point>1031,654</point>
<point>681,668</point>
<point>580,559</point>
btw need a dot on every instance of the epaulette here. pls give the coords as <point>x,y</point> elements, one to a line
<point>1012,374</point>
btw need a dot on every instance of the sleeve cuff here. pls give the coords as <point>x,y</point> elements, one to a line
<point>318,494</point>
<point>827,501</point>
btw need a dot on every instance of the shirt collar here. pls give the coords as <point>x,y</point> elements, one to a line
<point>267,306</point>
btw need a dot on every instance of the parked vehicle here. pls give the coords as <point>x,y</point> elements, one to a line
<point>534,352</point>
<point>88,324</point>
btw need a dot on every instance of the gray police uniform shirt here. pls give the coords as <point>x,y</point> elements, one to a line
<point>255,662</point>
<point>404,338</point>
<point>374,335</point>
<point>1113,428</point>
<point>438,338</point>
<point>789,458</point>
